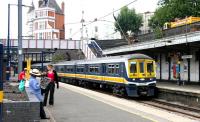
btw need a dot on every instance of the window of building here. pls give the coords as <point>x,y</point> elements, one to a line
<point>40,35</point>
<point>41,25</point>
<point>49,35</point>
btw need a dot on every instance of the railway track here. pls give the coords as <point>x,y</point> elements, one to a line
<point>165,105</point>
<point>174,107</point>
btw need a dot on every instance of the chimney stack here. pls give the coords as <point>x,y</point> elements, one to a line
<point>63,7</point>
<point>40,3</point>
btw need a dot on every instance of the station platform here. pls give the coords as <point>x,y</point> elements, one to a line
<point>76,104</point>
<point>188,94</point>
<point>183,88</point>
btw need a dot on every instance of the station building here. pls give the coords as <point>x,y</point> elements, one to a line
<point>177,53</point>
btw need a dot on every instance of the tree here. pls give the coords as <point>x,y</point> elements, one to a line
<point>60,56</point>
<point>128,21</point>
<point>169,10</point>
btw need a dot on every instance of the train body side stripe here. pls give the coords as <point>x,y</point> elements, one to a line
<point>95,77</point>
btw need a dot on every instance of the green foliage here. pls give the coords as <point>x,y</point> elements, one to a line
<point>169,10</point>
<point>60,56</point>
<point>158,33</point>
<point>129,21</point>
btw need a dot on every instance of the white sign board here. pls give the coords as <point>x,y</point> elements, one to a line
<point>186,56</point>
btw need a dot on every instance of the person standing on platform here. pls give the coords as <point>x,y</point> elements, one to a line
<point>53,78</point>
<point>22,75</point>
<point>34,86</point>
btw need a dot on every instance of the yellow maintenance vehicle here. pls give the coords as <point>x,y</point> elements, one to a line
<point>181,22</point>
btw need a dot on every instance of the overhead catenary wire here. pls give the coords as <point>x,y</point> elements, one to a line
<point>111,13</point>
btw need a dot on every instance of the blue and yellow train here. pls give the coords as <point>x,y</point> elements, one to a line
<point>131,75</point>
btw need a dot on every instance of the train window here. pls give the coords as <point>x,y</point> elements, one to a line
<point>133,67</point>
<point>141,67</point>
<point>91,69</point>
<point>150,67</point>
<point>69,68</point>
<point>61,68</point>
<point>111,69</point>
<point>94,69</point>
<point>80,69</point>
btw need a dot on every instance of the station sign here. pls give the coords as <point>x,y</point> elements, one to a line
<point>186,56</point>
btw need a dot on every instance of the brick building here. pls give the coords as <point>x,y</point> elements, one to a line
<point>46,21</point>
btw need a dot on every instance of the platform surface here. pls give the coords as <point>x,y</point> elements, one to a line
<point>75,104</point>
<point>175,87</point>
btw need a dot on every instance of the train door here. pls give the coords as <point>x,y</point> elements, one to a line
<point>141,67</point>
<point>133,69</point>
<point>150,68</point>
<point>103,71</point>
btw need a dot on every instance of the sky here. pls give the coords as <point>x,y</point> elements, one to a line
<point>73,14</point>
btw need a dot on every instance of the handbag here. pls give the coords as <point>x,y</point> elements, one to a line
<point>44,82</point>
<point>21,86</point>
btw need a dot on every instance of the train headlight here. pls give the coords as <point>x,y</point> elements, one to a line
<point>133,79</point>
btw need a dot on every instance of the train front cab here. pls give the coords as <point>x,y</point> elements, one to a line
<point>141,78</point>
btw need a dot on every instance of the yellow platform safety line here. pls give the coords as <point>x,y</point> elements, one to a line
<point>1,96</point>
<point>95,77</point>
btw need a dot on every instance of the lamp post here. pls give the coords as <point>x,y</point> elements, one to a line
<point>20,56</point>
<point>8,46</point>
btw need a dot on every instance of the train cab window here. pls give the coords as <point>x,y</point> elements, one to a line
<point>133,67</point>
<point>150,67</point>
<point>141,67</point>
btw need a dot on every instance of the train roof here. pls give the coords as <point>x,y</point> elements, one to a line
<point>112,59</point>
<point>40,64</point>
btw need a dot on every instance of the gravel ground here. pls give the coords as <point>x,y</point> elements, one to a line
<point>11,92</point>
